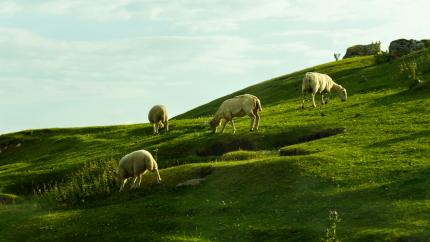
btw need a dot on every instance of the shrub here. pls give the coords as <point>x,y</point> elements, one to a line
<point>382,57</point>
<point>413,67</point>
<point>94,180</point>
<point>408,72</point>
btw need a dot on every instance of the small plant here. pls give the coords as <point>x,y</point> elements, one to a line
<point>336,56</point>
<point>423,63</point>
<point>94,180</point>
<point>382,57</point>
<point>409,72</point>
<point>333,220</point>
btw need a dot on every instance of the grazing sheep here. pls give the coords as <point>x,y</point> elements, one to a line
<point>238,106</point>
<point>136,164</point>
<point>315,82</point>
<point>158,118</point>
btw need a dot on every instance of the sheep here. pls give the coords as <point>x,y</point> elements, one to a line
<point>315,82</point>
<point>158,118</point>
<point>136,164</point>
<point>238,106</point>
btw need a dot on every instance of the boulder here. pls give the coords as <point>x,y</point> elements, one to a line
<point>403,47</point>
<point>363,50</point>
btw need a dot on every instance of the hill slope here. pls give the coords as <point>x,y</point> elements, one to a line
<point>367,158</point>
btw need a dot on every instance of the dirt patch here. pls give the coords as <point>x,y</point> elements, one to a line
<point>322,134</point>
<point>202,173</point>
<point>191,183</point>
<point>293,152</point>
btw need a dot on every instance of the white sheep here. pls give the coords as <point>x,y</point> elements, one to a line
<point>238,106</point>
<point>136,164</point>
<point>158,118</point>
<point>315,82</point>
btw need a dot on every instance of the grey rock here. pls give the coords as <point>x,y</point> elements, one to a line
<point>363,50</point>
<point>403,47</point>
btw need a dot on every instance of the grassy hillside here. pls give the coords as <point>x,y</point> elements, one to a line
<point>367,158</point>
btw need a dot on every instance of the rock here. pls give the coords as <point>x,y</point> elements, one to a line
<point>363,50</point>
<point>403,47</point>
<point>192,182</point>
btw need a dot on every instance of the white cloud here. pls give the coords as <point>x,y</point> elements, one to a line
<point>8,8</point>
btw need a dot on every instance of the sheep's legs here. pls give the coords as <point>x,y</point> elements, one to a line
<point>303,100</point>
<point>157,176</point>
<point>134,182</point>
<point>140,177</point>
<point>252,116</point>
<point>234,127</point>
<point>257,120</point>
<point>313,100</point>
<point>223,126</point>
<point>123,184</point>
<point>324,99</point>
<point>155,128</point>
<point>167,126</point>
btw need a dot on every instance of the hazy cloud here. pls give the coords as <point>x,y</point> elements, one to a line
<point>114,56</point>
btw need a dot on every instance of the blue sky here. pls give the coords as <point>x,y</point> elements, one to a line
<point>75,63</point>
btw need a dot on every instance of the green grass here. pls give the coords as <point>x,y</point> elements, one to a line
<point>375,172</point>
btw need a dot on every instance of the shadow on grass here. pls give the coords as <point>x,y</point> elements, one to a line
<point>227,143</point>
<point>419,92</point>
<point>413,136</point>
<point>376,217</point>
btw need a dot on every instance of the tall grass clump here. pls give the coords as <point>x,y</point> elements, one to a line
<point>94,180</point>
<point>331,233</point>
<point>412,68</point>
<point>409,72</point>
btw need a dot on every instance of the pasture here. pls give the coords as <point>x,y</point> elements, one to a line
<point>367,158</point>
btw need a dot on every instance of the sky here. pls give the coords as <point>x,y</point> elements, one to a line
<point>67,63</point>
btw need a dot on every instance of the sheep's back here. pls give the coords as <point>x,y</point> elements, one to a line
<point>315,80</point>
<point>157,113</point>
<point>135,163</point>
<point>239,105</point>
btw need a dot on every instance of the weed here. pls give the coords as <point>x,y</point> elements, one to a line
<point>408,72</point>
<point>94,180</point>
<point>333,220</point>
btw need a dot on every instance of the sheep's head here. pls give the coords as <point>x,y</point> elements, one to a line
<point>214,124</point>
<point>342,94</point>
